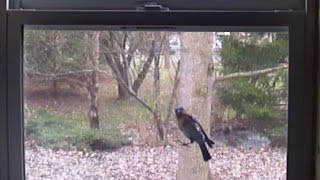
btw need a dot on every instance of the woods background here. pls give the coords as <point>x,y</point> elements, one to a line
<point>102,90</point>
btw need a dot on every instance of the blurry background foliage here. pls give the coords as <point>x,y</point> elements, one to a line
<point>56,86</point>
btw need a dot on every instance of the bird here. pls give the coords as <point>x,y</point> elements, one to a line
<point>193,130</point>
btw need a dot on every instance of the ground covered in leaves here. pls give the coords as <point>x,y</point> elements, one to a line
<point>134,162</point>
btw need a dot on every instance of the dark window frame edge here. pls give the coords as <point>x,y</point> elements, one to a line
<point>299,160</point>
<point>131,5</point>
<point>3,93</point>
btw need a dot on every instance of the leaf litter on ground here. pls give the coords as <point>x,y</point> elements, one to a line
<point>136,162</point>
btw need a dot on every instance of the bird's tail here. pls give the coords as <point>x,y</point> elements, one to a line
<point>209,142</point>
<point>205,153</point>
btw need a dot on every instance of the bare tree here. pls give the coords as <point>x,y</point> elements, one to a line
<point>120,48</point>
<point>115,44</point>
<point>194,96</point>
<point>156,50</point>
<point>92,79</point>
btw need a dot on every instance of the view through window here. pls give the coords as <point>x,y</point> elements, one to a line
<point>103,104</point>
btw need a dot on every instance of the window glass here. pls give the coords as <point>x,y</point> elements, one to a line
<point>125,104</point>
<point>171,4</point>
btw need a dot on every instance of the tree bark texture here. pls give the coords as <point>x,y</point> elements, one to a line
<point>156,87</point>
<point>92,81</point>
<point>196,55</point>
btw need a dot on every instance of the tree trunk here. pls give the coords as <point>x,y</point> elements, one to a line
<point>156,87</point>
<point>195,98</point>
<point>141,76</point>
<point>166,54</point>
<point>92,81</point>
<point>214,100</point>
<point>94,104</point>
<point>52,53</point>
<point>122,92</point>
<point>55,88</point>
<point>160,127</point>
<point>173,97</point>
<point>114,61</point>
<point>123,69</point>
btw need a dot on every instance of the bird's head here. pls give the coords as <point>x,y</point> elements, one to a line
<point>179,110</point>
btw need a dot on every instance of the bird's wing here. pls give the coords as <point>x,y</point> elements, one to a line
<point>200,130</point>
<point>197,124</point>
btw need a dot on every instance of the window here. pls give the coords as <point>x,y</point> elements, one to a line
<point>15,120</point>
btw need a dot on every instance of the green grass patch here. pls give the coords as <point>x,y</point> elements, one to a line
<point>124,112</point>
<point>278,135</point>
<point>60,132</point>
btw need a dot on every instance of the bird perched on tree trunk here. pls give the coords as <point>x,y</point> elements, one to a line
<point>194,131</point>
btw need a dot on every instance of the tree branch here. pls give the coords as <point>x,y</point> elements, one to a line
<point>251,73</point>
<point>83,72</point>
<point>134,95</point>
<point>59,76</point>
